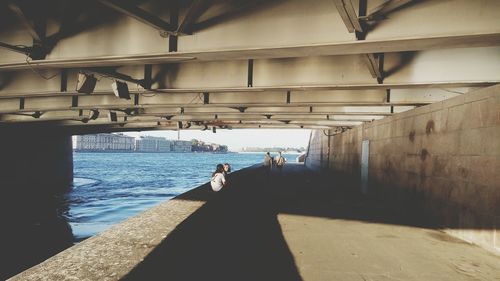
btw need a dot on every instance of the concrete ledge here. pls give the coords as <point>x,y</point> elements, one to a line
<point>113,253</point>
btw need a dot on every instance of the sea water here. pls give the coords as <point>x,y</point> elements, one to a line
<point>110,187</point>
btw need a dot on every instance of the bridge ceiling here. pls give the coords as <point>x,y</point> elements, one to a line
<point>239,64</point>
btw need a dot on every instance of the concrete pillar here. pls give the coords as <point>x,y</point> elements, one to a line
<point>35,157</point>
<point>36,169</point>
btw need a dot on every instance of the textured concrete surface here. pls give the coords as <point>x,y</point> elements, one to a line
<point>36,167</point>
<point>446,155</point>
<point>302,226</point>
<point>113,253</point>
<point>339,249</point>
<point>295,225</point>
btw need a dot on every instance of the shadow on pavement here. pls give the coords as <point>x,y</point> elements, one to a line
<point>234,236</point>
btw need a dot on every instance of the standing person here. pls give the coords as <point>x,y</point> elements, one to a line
<point>280,161</point>
<point>218,179</point>
<point>268,161</point>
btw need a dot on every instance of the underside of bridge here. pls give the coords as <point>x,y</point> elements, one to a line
<point>326,64</point>
<point>401,94</point>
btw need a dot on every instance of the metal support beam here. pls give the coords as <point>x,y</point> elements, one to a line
<point>148,79</point>
<point>206,98</point>
<point>136,99</point>
<point>375,64</point>
<point>195,10</point>
<point>268,113</point>
<point>74,101</point>
<point>363,6</point>
<point>40,27</point>
<point>250,73</point>
<point>380,58</point>
<point>388,99</point>
<point>241,109</point>
<point>235,12</point>
<point>36,28</point>
<point>295,88</point>
<point>348,14</point>
<point>238,106</point>
<point>27,23</point>
<point>140,15</point>
<point>174,21</point>
<point>35,52</point>
<point>18,49</point>
<point>226,123</point>
<point>388,6</point>
<point>330,49</point>
<point>64,80</point>
<point>117,75</point>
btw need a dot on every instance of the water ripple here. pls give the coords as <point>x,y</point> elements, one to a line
<point>110,187</point>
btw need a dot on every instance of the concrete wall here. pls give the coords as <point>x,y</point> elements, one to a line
<point>317,154</point>
<point>446,154</point>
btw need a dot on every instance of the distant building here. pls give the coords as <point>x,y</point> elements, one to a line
<point>153,144</point>
<point>120,142</point>
<point>181,146</point>
<point>164,145</point>
<point>104,142</point>
<point>200,146</point>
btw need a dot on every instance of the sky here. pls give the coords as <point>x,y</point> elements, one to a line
<point>238,138</point>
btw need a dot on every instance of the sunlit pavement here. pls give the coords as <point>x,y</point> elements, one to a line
<point>296,225</point>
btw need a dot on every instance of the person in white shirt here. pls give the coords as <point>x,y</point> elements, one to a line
<point>218,179</point>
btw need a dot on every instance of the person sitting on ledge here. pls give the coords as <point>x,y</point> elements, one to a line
<point>227,169</point>
<point>218,179</point>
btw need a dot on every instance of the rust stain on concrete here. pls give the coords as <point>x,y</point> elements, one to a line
<point>423,154</point>
<point>429,128</point>
<point>411,136</point>
<point>463,172</point>
<point>438,166</point>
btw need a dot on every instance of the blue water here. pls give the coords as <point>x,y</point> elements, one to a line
<point>110,187</point>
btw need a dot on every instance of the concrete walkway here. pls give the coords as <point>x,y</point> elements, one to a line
<point>296,225</point>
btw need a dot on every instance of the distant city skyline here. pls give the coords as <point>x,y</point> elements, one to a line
<point>238,139</point>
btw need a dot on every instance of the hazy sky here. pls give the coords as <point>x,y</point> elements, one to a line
<point>239,138</point>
